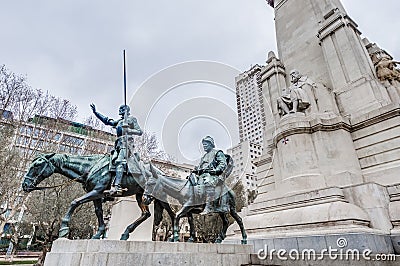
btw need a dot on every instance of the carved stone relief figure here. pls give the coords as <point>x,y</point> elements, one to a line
<point>294,98</point>
<point>386,70</point>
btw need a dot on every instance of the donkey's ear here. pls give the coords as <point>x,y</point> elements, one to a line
<point>37,155</point>
<point>153,170</point>
<point>49,155</point>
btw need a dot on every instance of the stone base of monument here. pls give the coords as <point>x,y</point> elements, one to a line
<point>376,243</point>
<point>326,260</point>
<point>123,213</point>
<point>114,252</point>
<point>355,215</point>
<point>314,250</point>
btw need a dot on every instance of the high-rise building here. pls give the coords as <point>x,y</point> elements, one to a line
<point>243,155</point>
<point>251,120</point>
<point>250,105</point>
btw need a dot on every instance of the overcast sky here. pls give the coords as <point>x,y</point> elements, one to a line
<point>74,48</point>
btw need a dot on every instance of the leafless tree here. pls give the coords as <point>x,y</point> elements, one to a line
<point>94,122</point>
<point>24,133</point>
<point>45,209</point>
<point>147,146</point>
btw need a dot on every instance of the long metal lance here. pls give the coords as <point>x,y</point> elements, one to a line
<point>124,79</point>
<point>124,127</point>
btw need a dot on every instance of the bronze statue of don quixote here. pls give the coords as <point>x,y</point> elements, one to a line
<point>122,173</point>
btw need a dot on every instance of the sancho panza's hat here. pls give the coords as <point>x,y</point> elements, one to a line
<point>208,139</point>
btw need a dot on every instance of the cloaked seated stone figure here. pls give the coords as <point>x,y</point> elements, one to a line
<point>386,69</point>
<point>294,98</point>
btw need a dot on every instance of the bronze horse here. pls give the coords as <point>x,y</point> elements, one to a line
<point>187,193</point>
<point>93,173</point>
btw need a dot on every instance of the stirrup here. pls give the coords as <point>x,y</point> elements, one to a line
<point>207,210</point>
<point>115,191</point>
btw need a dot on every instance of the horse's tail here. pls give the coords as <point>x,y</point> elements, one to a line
<point>158,212</point>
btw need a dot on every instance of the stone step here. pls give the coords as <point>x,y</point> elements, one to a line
<point>376,243</point>
<point>114,252</point>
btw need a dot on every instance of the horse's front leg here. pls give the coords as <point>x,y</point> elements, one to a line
<point>145,215</point>
<point>98,209</point>
<point>90,196</point>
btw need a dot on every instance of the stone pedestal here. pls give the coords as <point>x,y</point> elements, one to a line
<point>124,212</point>
<point>313,152</point>
<point>331,170</point>
<point>66,252</point>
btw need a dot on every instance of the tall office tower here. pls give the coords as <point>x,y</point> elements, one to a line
<point>251,118</point>
<point>243,155</point>
<point>250,105</point>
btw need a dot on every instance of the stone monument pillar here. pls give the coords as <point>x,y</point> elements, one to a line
<point>331,161</point>
<point>124,212</point>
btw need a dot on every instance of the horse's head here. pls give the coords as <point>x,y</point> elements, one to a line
<point>150,186</point>
<point>40,169</point>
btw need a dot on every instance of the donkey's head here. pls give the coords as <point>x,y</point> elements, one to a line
<point>150,186</point>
